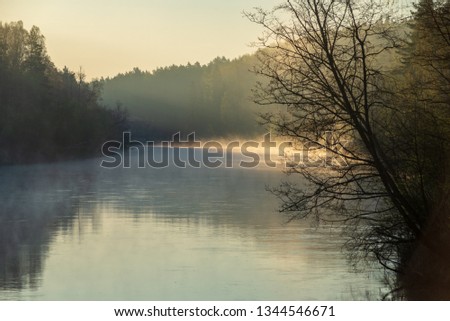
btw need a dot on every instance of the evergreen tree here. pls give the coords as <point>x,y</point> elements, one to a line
<point>47,114</point>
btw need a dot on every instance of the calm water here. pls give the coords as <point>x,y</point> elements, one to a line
<point>75,231</point>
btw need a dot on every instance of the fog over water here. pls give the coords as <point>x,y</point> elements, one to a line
<point>76,231</point>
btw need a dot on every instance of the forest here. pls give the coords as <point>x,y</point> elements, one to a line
<point>212,100</point>
<point>50,114</point>
<point>47,114</point>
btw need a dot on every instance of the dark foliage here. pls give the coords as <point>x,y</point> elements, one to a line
<point>47,114</point>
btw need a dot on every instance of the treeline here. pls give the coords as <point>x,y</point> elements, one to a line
<point>212,100</point>
<point>46,113</point>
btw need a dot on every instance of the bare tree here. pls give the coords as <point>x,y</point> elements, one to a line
<point>332,63</point>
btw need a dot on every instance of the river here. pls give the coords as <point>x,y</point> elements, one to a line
<point>76,231</point>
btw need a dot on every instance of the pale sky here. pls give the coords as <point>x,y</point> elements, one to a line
<point>106,37</point>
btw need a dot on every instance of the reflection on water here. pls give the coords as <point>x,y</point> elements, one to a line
<point>74,231</point>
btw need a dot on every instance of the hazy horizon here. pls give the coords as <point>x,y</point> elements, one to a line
<point>109,37</point>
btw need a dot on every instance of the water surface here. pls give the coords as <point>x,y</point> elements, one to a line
<point>76,231</point>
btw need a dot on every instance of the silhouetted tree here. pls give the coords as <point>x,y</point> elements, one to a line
<point>332,64</point>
